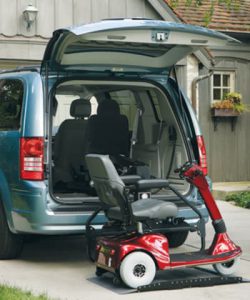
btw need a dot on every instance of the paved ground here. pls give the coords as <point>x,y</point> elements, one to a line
<point>59,267</point>
<point>222,189</point>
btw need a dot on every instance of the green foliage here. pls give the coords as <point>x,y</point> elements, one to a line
<point>236,100</point>
<point>233,101</point>
<point>240,107</point>
<point>241,199</point>
<point>11,293</point>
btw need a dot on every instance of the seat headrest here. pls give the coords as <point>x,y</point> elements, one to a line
<point>108,106</point>
<point>80,108</point>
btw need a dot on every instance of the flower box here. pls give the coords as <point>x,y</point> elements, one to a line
<point>224,112</point>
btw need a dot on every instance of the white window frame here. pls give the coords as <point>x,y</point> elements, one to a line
<point>231,85</point>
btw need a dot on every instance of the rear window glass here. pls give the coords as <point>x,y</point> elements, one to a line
<point>11,98</point>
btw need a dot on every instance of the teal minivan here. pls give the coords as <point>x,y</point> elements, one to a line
<point>108,87</point>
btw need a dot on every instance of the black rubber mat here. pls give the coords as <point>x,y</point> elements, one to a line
<point>189,283</point>
<point>170,280</point>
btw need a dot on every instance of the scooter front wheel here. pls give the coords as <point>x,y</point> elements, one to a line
<point>137,268</point>
<point>227,268</point>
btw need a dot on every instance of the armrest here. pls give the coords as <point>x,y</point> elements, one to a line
<point>148,184</point>
<point>130,179</point>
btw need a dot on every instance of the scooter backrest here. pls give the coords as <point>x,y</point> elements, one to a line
<point>107,182</point>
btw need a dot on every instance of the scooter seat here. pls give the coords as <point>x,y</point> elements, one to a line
<point>146,209</point>
<point>112,194</point>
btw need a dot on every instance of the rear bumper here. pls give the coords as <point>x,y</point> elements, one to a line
<point>47,222</point>
<point>50,224</point>
<point>34,212</point>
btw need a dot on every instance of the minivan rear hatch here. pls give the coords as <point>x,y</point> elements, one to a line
<point>128,45</point>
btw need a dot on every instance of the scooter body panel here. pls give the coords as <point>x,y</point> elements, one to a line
<point>112,250</point>
<point>222,244</point>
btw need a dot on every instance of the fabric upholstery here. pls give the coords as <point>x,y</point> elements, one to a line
<point>108,131</point>
<point>111,192</point>
<point>70,143</point>
<point>80,108</point>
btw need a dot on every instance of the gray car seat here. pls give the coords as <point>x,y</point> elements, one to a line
<point>70,143</point>
<point>111,191</point>
<point>108,131</point>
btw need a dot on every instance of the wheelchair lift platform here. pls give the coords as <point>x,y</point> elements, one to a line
<point>190,278</point>
<point>176,284</point>
<point>197,277</point>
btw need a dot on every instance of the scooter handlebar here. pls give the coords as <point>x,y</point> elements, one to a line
<point>193,173</point>
<point>183,170</point>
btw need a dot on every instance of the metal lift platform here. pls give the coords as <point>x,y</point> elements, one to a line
<point>176,284</point>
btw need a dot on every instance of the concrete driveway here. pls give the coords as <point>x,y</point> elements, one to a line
<point>58,266</point>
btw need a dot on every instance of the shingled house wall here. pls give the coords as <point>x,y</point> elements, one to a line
<point>228,151</point>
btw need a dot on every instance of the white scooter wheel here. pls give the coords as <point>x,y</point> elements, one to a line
<point>227,268</point>
<point>137,268</point>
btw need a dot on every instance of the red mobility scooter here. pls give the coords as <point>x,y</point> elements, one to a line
<point>132,244</point>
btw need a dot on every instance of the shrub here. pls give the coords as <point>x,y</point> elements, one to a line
<point>241,199</point>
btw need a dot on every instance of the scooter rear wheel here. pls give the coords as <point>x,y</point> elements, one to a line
<point>137,268</point>
<point>227,268</point>
<point>176,239</point>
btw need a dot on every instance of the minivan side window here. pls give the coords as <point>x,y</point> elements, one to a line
<point>11,97</point>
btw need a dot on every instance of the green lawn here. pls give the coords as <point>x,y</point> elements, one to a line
<point>12,293</point>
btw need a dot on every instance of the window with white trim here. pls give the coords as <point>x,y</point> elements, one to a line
<point>222,83</point>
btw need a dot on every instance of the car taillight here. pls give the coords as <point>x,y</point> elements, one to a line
<point>31,158</point>
<point>202,154</point>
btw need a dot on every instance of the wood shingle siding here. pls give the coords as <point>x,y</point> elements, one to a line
<point>53,14</point>
<point>228,151</point>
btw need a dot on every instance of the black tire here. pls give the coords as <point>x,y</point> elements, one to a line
<point>91,250</point>
<point>10,244</point>
<point>176,239</point>
<point>91,246</point>
<point>100,271</point>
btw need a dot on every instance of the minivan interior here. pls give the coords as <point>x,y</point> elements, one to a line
<point>132,122</point>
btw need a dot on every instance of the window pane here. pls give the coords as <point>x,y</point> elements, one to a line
<point>11,96</point>
<point>226,80</point>
<point>217,94</point>
<point>217,80</point>
<point>222,83</point>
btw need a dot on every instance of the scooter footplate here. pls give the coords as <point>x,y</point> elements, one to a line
<point>188,283</point>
